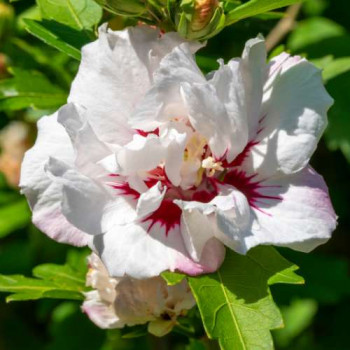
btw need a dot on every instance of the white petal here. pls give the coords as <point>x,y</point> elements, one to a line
<point>135,251</point>
<point>302,219</point>
<point>228,81</point>
<point>295,110</point>
<point>88,148</point>
<point>141,154</point>
<point>43,194</point>
<point>233,217</point>
<point>115,72</point>
<point>196,230</point>
<point>175,144</point>
<point>208,116</point>
<point>102,314</point>
<point>254,71</point>
<point>86,204</point>
<point>150,200</point>
<point>163,101</point>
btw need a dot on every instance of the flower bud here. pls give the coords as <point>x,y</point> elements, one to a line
<point>124,7</point>
<point>199,19</point>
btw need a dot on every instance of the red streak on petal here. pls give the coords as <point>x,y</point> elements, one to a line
<point>249,187</point>
<point>124,189</point>
<point>167,215</point>
<point>238,161</point>
<point>146,133</point>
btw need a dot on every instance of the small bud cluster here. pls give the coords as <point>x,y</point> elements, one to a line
<point>193,19</point>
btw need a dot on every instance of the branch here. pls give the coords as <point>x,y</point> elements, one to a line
<point>283,27</point>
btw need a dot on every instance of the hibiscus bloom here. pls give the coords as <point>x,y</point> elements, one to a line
<point>158,167</point>
<point>117,302</point>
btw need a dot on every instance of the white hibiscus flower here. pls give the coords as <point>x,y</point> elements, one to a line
<point>117,302</point>
<point>157,167</point>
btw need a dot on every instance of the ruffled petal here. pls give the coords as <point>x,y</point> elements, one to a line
<point>208,116</point>
<point>226,217</point>
<point>229,85</point>
<point>101,313</point>
<point>86,204</point>
<point>88,148</point>
<point>294,118</point>
<point>232,217</point>
<point>196,229</point>
<point>141,154</point>
<point>141,252</point>
<point>293,211</point>
<point>174,144</point>
<point>254,71</point>
<point>115,72</point>
<point>163,101</point>
<point>43,194</point>
<point>150,201</point>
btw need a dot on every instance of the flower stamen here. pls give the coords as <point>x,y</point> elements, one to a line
<point>211,166</point>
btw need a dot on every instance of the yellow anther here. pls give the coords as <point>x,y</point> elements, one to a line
<point>211,166</point>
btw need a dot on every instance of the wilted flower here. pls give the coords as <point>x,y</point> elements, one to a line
<point>156,166</point>
<point>117,302</point>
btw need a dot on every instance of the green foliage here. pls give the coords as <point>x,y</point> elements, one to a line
<point>336,68</point>
<point>77,14</point>
<point>13,216</point>
<point>327,278</point>
<point>255,7</point>
<point>235,302</point>
<point>313,31</point>
<point>29,89</point>
<point>14,211</point>
<point>59,36</point>
<point>297,317</point>
<point>328,44</point>
<point>338,132</point>
<point>124,8</point>
<point>50,281</point>
<point>172,278</point>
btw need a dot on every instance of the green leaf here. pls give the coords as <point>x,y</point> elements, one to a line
<point>62,275</point>
<point>172,278</point>
<point>14,216</point>
<point>256,7</point>
<point>337,134</point>
<point>78,14</point>
<point>298,316</point>
<point>266,16</point>
<point>29,89</point>
<point>328,280</point>
<point>335,68</point>
<point>236,303</point>
<point>53,281</point>
<point>59,36</point>
<point>312,31</point>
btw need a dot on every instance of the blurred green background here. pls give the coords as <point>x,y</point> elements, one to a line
<point>316,315</point>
